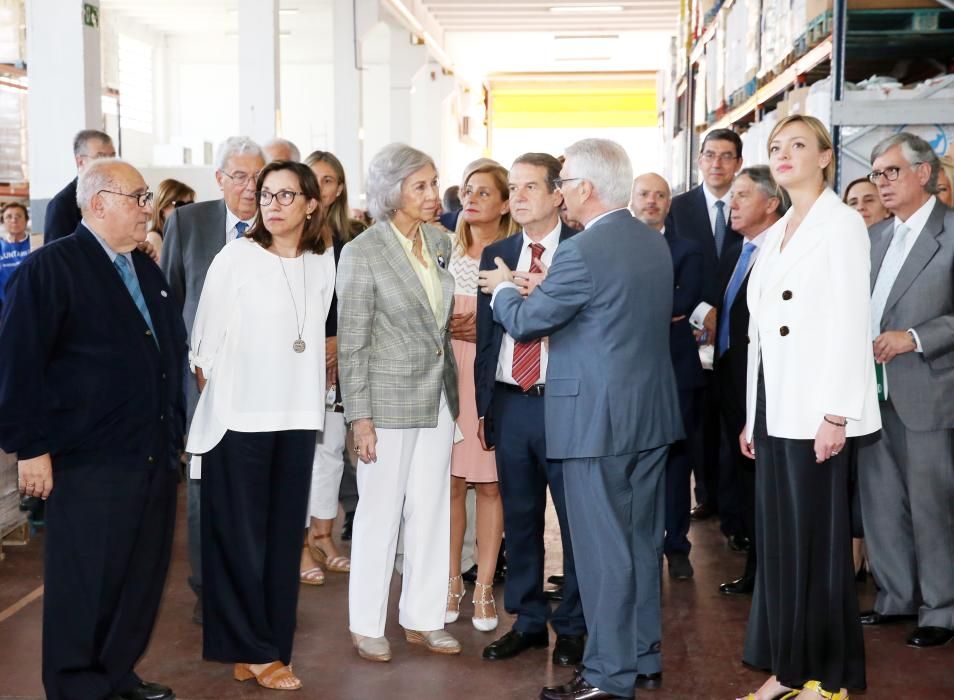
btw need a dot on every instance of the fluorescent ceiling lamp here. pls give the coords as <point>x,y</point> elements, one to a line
<point>586,9</point>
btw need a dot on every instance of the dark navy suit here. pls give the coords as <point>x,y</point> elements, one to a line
<point>514,423</point>
<point>689,218</point>
<point>687,265</point>
<point>62,214</point>
<point>84,380</point>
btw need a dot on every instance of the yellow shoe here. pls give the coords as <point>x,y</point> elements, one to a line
<point>816,687</point>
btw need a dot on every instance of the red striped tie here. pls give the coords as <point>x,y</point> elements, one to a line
<point>526,356</point>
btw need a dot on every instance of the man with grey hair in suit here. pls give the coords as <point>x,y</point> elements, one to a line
<point>193,236</point>
<point>612,410</point>
<point>281,149</point>
<point>907,476</point>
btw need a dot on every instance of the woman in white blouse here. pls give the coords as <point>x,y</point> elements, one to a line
<point>810,388</point>
<point>258,352</point>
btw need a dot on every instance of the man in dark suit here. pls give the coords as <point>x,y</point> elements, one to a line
<point>62,212</point>
<point>612,410</point>
<point>906,476</point>
<point>702,215</point>
<point>91,401</point>
<point>757,203</point>
<point>649,203</point>
<point>510,406</point>
<point>192,237</point>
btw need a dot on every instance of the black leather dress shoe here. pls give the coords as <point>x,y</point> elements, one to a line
<point>872,617</point>
<point>649,681</point>
<point>514,643</point>
<point>568,650</point>
<point>741,586</point>
<point>554,594</point>
<point>926,637</point>
<point>738,543</point>
<point>679,566</point>
<point>146,691</point>
<point>701,512</point>
<point>577,689</point>
<point>556,579</point>
<point>470,576</point>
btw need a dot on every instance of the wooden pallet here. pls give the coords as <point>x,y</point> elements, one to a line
<point>15,535</point>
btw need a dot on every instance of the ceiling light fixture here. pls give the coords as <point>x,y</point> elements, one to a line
<point>586,9</point>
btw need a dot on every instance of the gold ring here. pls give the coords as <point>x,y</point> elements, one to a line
<point>357,450</point>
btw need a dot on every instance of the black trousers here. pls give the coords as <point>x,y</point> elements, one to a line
<point>678,470</point>
<point>524,472</point>
<point>254,503</point>
<point>108,542</point>
<point>804,622</point>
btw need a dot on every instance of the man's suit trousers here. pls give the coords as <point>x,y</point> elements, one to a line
<point>108,542</point>
<point>616,509</point>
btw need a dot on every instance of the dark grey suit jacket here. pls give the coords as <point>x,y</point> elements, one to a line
<point>922,298</point>
<point>192,237</point>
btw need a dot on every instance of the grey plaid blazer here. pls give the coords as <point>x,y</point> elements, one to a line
<point>393,357</point>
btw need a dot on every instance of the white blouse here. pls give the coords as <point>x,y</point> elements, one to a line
<point>242,339</point>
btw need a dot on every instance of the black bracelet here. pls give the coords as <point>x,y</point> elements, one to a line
<point>838,425</point>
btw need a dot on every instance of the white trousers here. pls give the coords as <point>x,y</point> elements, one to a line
<point>327,468</point>
<point>409,484</point>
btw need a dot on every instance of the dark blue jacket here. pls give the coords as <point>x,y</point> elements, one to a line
<point>62,214</point>
<point>687,266</point>
<point>489,332</point>
<point>82,377</point>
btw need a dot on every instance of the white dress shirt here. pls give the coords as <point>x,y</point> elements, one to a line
<point>915,223</point>
<point>230,221</point>
<point>505,359</point>
<point>242,339</point>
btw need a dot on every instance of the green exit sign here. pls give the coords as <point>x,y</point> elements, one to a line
<point>91,15</point>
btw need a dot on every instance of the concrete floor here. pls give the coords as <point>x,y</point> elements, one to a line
<point>701,645</point>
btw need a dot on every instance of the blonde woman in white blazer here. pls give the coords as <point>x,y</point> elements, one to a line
<point>811,387</point>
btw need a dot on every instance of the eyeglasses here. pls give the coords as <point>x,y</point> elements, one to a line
<point>890,173</point>
<point>182,204</point>
<point>284,197</point>
<point>241,178</point>
<point>142,199</point>
<point>560,181</point>
<point>709,156</point>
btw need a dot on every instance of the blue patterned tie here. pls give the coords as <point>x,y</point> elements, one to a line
<point>741,268</point>
<point>720,227</point>
<point>132,284</point>
<point>240,229</point>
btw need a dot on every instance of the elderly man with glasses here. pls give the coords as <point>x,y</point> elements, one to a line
<point>91,401</point>
<point>906,477</point>
<point>192,237</point>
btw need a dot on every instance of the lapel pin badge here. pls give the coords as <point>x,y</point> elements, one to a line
<point>163,292</point>
<point>441,262</point>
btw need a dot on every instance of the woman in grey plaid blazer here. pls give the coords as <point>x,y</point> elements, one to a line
<point>398,384</point>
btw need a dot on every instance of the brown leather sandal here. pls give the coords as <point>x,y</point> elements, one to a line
<point>337,565</point>
<point>270,677</point>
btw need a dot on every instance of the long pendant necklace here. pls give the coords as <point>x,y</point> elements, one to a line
<point>298,345</point>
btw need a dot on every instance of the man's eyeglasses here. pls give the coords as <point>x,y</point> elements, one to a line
<point>560,181</point>
<point>710,156</point>
<point>890,173</point>
<point>142,199</point>
<point>240,178</point>
<point>284,197</point>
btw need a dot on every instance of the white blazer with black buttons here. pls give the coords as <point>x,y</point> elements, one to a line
<point>810,325</point>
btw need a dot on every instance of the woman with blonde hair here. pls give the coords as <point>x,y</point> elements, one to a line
<point>484,219</point>
<point>810,390</point>
<point>320,549</point>
<point>945,181</point>
<point>171,195</point>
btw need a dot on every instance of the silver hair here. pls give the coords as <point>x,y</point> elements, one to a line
<point>388,170</point>
<point>606,166</point>
<point>82,139</point>
<point>292,148</point>
<point>761,175</point>
<point>97,176</point>
<point>236,146</point>
<point>915,150</point>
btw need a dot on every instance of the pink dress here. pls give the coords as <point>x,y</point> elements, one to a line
<point>469,460</point>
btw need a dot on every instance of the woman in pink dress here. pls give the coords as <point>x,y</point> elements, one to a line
<point>485,218</point>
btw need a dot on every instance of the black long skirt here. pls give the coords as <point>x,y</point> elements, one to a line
<point>804,622</point>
